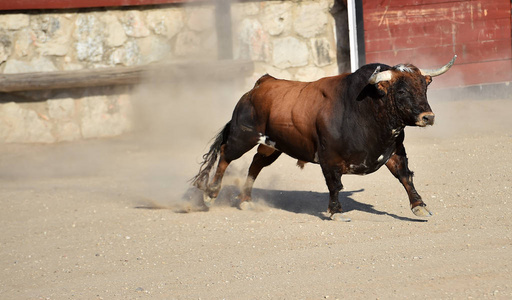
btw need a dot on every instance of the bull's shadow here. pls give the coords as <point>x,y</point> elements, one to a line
<point>314,203</point>
<point>300,202</point>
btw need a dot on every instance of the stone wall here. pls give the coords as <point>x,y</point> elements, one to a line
<point>287,39</point>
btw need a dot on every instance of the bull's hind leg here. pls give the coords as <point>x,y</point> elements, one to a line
<point>213,188</point>
<point>263,158</point>
<point>233,149</point>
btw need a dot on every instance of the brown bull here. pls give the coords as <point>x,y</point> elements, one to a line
<point>349,124</point>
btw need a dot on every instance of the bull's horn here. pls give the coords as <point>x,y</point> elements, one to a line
<point>442,70</point>
<point>378,76</point>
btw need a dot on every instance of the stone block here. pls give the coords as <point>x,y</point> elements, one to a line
<point>55,49</point>
<point>289,52</point>
<point>244,9</point>
<point>104,116</point>
<point>46,26</point>
<point>277,17</point>
<point>252,42</point>
<point>323,54</point>
<point>41,64</point>
<point>22,42</point>
<point>166,22</point>
<point>90,49</point>
<point>311,19</point>
<point>61,109</point>
<point>67,131</point>
<point>128,55</point>
<point>134,25</point>
<point>309,74</point>
<point>14,21</point>
<point>20,125</point>
<point>89,38</point>
<point>54,35</point>
<point>114,31</point>
<point>153,48</point>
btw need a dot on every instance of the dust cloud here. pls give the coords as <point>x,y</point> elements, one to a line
<point>175,121</point>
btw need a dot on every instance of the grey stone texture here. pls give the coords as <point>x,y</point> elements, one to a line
<point>36,64</point>
<point>20,125</point>
<point>252,43</point>
<point>14,21</point>
<point>287,39</point>
<point>134,24</point>
<point>311,19</point>
<point>103,116</point>
<point>286,35</point>
<point>323,52</point>
<point>115,35</point>
<point>277,17</point>
<point>289,52</point>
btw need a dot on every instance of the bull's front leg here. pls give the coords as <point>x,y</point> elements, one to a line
<point>398,166</point>
<point>332,176</point>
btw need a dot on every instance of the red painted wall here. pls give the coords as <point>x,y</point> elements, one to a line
<point>427,33</point>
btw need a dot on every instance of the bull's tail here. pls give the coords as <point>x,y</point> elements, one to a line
<point>201,179</point>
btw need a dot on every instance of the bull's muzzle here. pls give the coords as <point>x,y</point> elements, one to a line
<point>425,118</point>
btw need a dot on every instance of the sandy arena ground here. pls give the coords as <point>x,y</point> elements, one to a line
<point>105,219</point>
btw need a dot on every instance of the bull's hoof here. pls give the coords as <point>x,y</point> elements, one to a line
<point>340,218</point>
<point>246,205</point>
<point>421,211</point>
<point>208,201</point>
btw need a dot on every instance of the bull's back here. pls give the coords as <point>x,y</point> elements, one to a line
<point>287,112</point>
<point>287,101</point>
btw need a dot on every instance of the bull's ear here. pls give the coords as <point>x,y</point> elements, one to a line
<point>383,87</point>
<point>428,79</point>
<point>381,80</point>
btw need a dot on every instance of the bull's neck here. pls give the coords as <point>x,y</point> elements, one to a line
<point>388,114</point>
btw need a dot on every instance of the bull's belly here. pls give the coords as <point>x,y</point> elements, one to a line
<point>297,148</point>
<point>368,165</point>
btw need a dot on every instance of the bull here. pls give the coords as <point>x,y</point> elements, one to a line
<point>348,124</point>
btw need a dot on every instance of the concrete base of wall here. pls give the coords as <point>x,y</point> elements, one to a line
<point>65,115</point>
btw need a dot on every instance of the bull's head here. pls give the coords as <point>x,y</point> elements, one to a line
<point>406,86</point>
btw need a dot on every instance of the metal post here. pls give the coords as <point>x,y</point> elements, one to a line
<point>352,33</point>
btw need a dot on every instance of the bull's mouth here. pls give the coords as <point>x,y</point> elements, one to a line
<point>425,118</point>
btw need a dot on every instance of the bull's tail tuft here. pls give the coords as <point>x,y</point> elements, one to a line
<point>201,179</point>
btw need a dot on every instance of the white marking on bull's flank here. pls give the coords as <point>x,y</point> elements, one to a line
<point>265,140</point>
<point>381,158</point>
<point>262,139</point>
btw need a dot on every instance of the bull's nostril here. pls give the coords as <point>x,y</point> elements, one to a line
<point>428,119</point>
